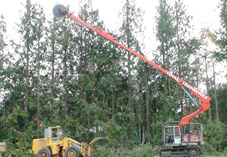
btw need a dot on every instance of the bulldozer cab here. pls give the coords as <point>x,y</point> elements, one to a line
<point>54,132</point>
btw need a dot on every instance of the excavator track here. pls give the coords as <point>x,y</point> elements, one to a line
<point>180,151</point>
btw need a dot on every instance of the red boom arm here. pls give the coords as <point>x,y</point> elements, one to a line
<point>203,107</point>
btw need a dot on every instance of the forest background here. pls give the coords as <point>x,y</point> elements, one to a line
<point>61,73</point>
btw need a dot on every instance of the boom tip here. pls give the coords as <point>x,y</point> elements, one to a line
<point>59,11</point>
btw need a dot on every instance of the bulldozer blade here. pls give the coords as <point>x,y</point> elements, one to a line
<point>59,13</point>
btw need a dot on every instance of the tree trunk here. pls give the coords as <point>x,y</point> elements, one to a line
<point>65,80</point>
<point>53,61</point>
<point>112,99</point>
<point>207,84</point>
<point>215,94</point>
<point>147,109</point>
<point>38,86</point>
<point>27,80</point>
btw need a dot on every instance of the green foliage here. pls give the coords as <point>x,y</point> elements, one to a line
<point>221,41</point>
<point>67,75</point>
<point>2,42</point>
<point>139,150</point>
<point>222,102</point>
<point>156,129</point>
<point>214,136</point>
<point>216,154</point>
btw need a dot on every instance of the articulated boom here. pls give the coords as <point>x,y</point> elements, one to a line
<point>203,107</point>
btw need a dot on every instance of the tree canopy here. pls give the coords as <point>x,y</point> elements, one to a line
<point>67,75</point>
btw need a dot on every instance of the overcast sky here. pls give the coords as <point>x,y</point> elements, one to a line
<point>205,14</point>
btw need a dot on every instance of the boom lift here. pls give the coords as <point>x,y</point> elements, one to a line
<point>175,134</point>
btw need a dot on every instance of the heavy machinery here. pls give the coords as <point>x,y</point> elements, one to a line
<point>182,142</point>
<point>55,144</point>
<point>2,148</point>
<point>181,138</point>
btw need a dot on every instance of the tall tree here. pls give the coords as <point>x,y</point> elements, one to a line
<point>2,42</point>
<point>221,55</point>
<point>132,24</point>
<point>145,94</point>
<point>185,47</point>
<point>176,47</point>
<point>91,59</point>
<point>165,35</point>
<point>131,27</point>
<point>20,79</point>
<point>25,81</point>
<point>2,63</point>
<point>2,48</point>
<point>66,55</point>
<point>26,30</point>
<point>39,49</point>
<point>222,96</point>
<point>208,62</point>
<point>53,77</point>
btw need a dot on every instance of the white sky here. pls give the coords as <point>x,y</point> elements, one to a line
<point>205,14</point>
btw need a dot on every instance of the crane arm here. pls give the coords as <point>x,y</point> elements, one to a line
<point>61,11</point>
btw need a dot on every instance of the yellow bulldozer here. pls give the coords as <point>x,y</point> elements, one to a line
<point>55,144</point>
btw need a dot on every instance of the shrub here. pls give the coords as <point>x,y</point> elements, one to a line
<point>214,136</point>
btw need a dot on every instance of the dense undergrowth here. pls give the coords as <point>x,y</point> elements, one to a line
<point>147,151</point>
<point>214,138</point>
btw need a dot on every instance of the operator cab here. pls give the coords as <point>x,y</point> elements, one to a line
<point>54,132</point>
<point>172,134</point>
<point>178,134</point>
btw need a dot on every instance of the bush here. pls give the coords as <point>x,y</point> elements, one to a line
<point>141,151</point>
<point>214,136</point>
